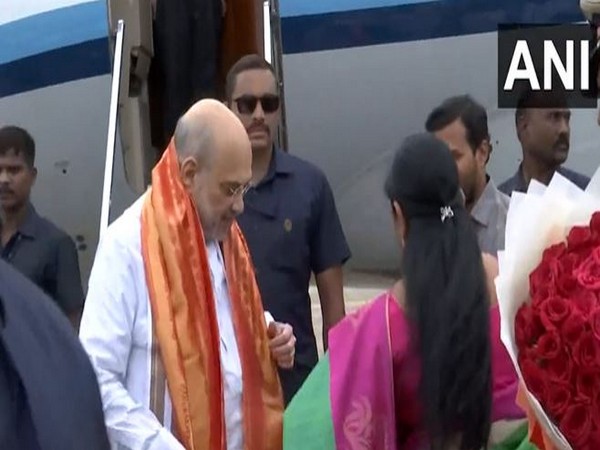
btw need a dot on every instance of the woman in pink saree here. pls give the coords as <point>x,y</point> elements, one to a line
<point>421,366</point>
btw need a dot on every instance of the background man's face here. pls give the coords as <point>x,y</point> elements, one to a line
<point>260,118</point>
<point>545,134</point>
<point>470,162</point>
<point>16,180</point>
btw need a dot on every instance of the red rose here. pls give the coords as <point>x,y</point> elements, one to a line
<point>594,321</point>
<point>548,346</point>
<point>579,238</point>
<point>573,328</point>
<point>570,261</point>
<point>554,311</point>
<point>566,285</point>
<point>586,385</point>
<point>585,301</point>
<point>558,399</point>
<point>576,424</point>
<point>523,319</point>
<point>588,273</point>
<point>543,275</point>
<point>596,406</point>
<point>585,351</point>
<point>535,379</point>
<point>559,369</point>
<point>528,327</point>
<point>594,440</point>
<point>595,224</point>
<point>554,252</point>
<point>543,292</point>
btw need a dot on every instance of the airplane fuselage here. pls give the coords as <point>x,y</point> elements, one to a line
<point>358,77</point>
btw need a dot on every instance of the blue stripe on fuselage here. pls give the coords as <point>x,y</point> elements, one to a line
<point>293,8</point>
<point>417,21</point>
<point>53,30</point>
<point>61,65</point>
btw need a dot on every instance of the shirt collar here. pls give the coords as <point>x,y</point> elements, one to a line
<point>519,178</point>
<point>29,226</point>
<point>281,164</point>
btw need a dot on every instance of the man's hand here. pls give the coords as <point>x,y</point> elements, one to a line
<point>282,343</point>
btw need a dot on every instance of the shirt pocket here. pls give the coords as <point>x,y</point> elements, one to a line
<point>290,248</point>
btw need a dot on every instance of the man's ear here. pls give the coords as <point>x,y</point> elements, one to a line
<point>396,210</point>
<point>188,170</point>
<point>483,152</point>
<point>521,123</point>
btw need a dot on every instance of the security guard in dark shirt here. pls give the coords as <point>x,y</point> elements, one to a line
<point>289,221</point>
<point>32,244</point>
<point>49,395</point>
<point>543,128</point>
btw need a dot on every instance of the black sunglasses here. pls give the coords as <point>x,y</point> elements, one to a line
<point>246,104</point>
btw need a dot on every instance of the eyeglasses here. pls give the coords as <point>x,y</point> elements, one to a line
<point>242,189</point>
<point>246,104</point>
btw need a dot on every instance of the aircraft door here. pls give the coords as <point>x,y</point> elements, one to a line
<point>140,113</point>
<point>134,108</point>
<point>273,52</point>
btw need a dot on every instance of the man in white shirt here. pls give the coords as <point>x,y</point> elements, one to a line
<point>173,321</point>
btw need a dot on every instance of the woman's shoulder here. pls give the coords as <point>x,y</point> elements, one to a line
<point>372,310</point>
<point>377,302</point>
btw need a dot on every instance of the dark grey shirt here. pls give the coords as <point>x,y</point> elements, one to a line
<point>489,217</point>
<point>48,257</point>
<point>517,181</point>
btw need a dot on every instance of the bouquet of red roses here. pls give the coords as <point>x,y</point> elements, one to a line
<point>549,296</point>
<point>558,335</point>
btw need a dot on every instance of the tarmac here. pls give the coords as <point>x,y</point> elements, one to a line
<point>359,288</point>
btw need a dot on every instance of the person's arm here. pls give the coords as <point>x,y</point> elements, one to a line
<point>68,289</point>
<point>490,265</point>
<point>331,294</point>
<point>329,251</point>
<point>107,325</point>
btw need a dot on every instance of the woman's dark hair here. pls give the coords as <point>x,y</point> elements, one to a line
<point>447,300</point>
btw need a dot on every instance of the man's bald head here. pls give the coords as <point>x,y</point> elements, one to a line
<point>197,132</point>
<point>215,155</point>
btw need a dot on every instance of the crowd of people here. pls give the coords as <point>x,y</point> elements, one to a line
<point>196,330</point>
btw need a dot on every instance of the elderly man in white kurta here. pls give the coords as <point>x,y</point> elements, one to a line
<point>173,321</point>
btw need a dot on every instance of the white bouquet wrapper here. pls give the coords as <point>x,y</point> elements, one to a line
<point>536,220</point>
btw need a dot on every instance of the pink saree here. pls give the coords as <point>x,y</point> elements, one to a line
<point>362,381</point>
<point>363,393</point>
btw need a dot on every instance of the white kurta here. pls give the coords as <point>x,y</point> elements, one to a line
<point>116,331</point>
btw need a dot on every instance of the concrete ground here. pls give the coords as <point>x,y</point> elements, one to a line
<point>358,289</point>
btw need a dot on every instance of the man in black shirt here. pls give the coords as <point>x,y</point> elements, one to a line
<point>543,129</point>
<point>290,221</point>
<point>49,396</point>
<point>33,245</point>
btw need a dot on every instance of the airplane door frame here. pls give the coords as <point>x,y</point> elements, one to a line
<point>273,52</point>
